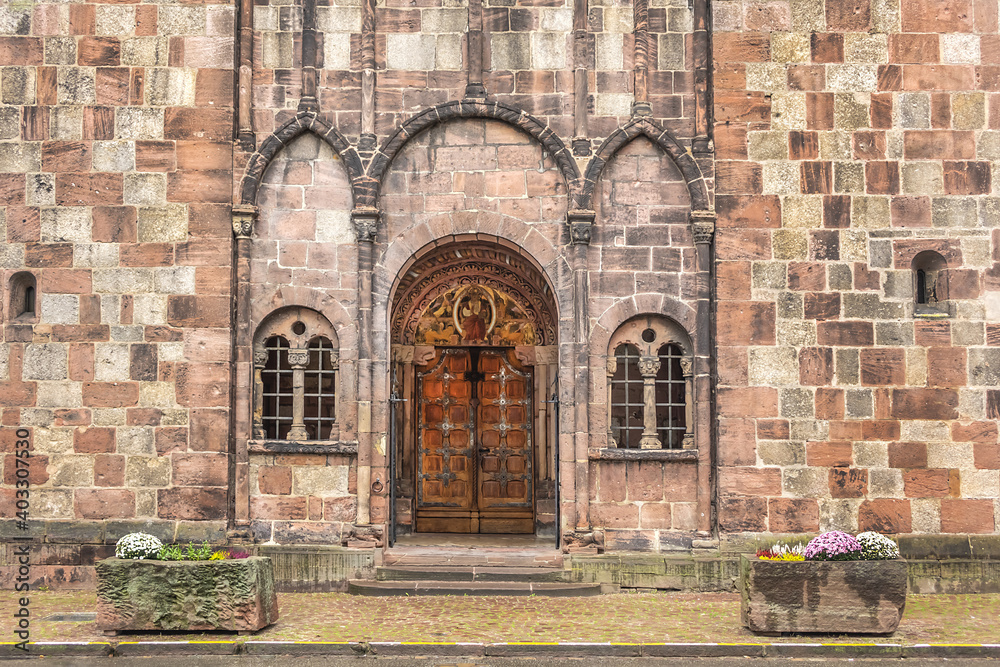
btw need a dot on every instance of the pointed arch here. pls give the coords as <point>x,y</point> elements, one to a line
<point>489,110</point>
<point>301,123</point>
<point>661,137</point>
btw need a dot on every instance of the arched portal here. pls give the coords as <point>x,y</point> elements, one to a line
<point>473,326</point>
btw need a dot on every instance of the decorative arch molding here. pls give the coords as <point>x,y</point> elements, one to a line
<point>301,123</point>
<point>467,226</point>
<point>475,262</point>
<point>645,127</point>
<point>626,309</point>
<point>489,110</point>
<point>284,296</point>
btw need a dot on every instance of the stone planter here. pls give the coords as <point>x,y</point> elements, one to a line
<point>236,595</point>
<point>859,596</point>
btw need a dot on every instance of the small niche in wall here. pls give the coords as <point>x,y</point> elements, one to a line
<point>930,285</point>
<point>23,306</point>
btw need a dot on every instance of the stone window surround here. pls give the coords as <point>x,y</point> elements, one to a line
<point>930,285</point>
<point>18,286</point>
<point>666,332</point>
<point>283,323</point>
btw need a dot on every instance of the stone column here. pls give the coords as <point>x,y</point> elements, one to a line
<point>259,361</point>
<point>474,88</point>
<point>640,73</point>
<point>367,140</point>
<point>648,368</point>
<point>687,366</point>
<point>703,230</point>
<point>243,217</point>
<point>701,49</point>
<point>298,359</point>
<point>612,368</point>
<point>581,66</point>
<point>245,77</point>
<point>365,225</point>
<point>310,58</point>
<point>581,223</point>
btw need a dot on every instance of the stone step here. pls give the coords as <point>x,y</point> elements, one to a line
<point>549,589</point>
<point>471,573</point>
<point>472,558</point>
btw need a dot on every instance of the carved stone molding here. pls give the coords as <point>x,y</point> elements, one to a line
<point>578,541</point>
<point>365,223</point>
<point>298,359</point>
<point>649,366</point>
<point>581,223</point>
<point>703,226</point>
<point>243,221</point>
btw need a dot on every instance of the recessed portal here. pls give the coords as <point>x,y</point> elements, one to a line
<point>474,360</point>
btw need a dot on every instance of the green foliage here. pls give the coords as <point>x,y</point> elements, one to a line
<point>177,552</point>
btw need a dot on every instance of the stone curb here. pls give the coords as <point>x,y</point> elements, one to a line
<point>58,649</point>
<point>141,649</point>
<point>442,649</point>
<point>570,649</point>
<point>451,649</point>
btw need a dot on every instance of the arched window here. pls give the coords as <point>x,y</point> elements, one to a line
<point>930,285</point>
<point>295,377</point>
<point>23,300</point>
<point>626,397</point>
<point>671,398</point>
<point>649,386</point>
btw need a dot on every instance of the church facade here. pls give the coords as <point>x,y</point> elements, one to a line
<point>638,275</point>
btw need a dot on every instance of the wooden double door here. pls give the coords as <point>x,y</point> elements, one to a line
<point>474,443</point>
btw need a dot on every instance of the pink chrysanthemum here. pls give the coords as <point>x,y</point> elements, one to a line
<point>834,545</point>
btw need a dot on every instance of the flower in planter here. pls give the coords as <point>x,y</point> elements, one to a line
<point>875,546</point>
<point>138,546</point>
<point>834,545</point>
<point>782,551</point>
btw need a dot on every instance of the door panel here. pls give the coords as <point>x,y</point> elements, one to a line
<point>445,447</point>
<point>504,427</point>
<point>482,483</point>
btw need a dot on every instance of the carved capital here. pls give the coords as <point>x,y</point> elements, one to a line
<point>260,357</point>
<point>702,226</point>
<point>649,366</point>
<point>581,222</point>
<point>687,442</point>
<point>686,366</point>
<point>298,359</point>
<point>365,223</point>
<point>612,365</point>
<point>243,220</point>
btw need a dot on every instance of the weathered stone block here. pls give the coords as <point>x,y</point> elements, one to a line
<point>866,597</point>
<point>232,595</point>
<point>46,361</point>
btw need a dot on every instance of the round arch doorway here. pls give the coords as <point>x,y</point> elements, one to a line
<point>474,358</point>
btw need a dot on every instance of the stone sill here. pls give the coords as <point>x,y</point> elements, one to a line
<point>302,447</point>
<point>614,454</point>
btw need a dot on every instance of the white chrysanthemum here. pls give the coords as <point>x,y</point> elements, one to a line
<point>137,546</point>
<point>875,546</point>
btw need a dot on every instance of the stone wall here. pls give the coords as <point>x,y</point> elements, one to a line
<point>116,165</point>
<point>854,145</point>
<point>850,137</point>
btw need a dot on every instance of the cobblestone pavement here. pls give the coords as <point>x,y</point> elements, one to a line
<point>620,618</point>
